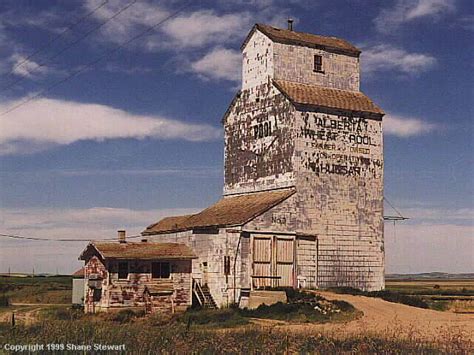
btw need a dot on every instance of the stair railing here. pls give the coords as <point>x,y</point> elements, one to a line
<point>197,289</point>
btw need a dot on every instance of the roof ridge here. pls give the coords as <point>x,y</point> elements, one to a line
<point>329,43</point>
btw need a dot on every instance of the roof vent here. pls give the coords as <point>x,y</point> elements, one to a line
<point>290,24</point>
<point>121,236</point>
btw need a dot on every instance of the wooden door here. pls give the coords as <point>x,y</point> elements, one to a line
<point>273,261</point>
<point>285,261</point>
<point>262,261</point>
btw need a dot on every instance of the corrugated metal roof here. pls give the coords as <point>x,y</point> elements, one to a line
<point>312,95</point>
<point>331,44</point>
<point>229,211</point>
<point>140,250</point>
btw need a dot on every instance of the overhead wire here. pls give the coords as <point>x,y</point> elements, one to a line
<point>55,38</point>
<point>72,44</point>
<point>22,237</point>
<point>95,61</point>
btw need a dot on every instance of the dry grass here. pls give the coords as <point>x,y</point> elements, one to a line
<point>54,289</point>
<point>141,337</point>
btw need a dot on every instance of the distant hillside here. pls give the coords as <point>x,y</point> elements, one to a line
<point>429,276</point>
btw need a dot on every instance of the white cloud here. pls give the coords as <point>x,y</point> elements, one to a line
<point>220,63</point>
<point>26,67</point>
<point>384,57</point>
<point>63,223</point>
<point>408,10</point>
<point>188,30</point>
<point>404,127</point>
<point>413,248</point>
<point>56,122</point>
<point>440,215</point>
<point>434,239</point>
<point>188,172</point>
<point>205,27</point>
<point>136,17</point>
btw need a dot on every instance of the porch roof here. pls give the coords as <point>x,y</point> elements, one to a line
<point>138,250</point>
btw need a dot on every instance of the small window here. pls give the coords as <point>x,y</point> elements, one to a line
<point>226,265</point>
<point>160,270</point>
<point>123,270</point>
<point>96,295</point>
<point>318,63</point>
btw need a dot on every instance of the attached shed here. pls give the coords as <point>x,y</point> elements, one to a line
<point>141,275</point>
<point>78,287</point>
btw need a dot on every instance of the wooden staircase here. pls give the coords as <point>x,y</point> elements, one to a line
<point>203,295</point>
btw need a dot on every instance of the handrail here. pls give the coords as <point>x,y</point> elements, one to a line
<point>199,292</point>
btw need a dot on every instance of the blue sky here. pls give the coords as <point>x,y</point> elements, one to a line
<point>138,135</point>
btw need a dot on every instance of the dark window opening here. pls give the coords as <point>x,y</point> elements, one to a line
<point>97,295</point>
<point>160,270</point>
<point>123,270</point>
<point>318,63</point>
<point>226,265</point>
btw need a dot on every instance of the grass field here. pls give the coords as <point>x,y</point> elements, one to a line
<point>50,289</point>
<point>455,295</point>
<point>147,335</point>
<point>232,331</point>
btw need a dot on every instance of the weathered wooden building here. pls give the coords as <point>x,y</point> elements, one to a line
<point>303,193</point>
<point>143,275</point>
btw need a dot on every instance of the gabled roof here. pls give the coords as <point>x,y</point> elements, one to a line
<point>229,211</point>
<point>330,44</point>
<point>313,95</point>
<point>138,250</point>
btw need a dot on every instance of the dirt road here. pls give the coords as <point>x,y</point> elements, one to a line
<point>389,318</point>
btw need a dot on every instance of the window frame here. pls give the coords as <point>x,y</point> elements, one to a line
<point>318,67</point>
<point>118,270</point>
<point>160,275</point>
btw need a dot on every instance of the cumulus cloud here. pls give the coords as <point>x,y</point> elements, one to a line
<point>220,63</point>
<point>205,27</point>
<point>408,10</point>
<point>187,30</point>
<point>57,122</point>
<point>384,57</point>
<point>405,127</point>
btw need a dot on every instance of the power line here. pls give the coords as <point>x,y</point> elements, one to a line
<point>58,36</point>
<point>22,237</point>
<point>94,62</point>
<point>72,44</point>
